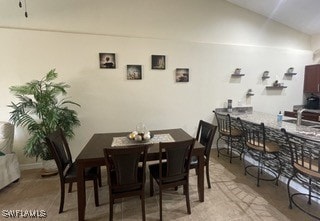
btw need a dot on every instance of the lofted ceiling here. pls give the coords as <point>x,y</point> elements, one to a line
<point>302,15</point>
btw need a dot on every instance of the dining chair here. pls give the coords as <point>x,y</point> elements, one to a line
<point>59,147</point>
<point>263,152</point>
<point>173,169</point>
<point>205,135</point>
<point>126,168</point>
<point>232,137</point>
<point>305,162</point>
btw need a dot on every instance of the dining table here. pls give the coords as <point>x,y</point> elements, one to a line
<point>92,156</point>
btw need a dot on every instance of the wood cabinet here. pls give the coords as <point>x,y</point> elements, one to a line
<point>312,79</point>
<point>305,115</point>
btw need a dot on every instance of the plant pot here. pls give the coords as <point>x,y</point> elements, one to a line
<point>49,168</point>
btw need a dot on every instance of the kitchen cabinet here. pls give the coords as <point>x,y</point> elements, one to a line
<point>305,115</point>
<point>312,79</point>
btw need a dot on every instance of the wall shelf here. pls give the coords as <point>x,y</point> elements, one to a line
<point>290,74</point>
<point>276,87</point>
<point>250,94</point>
<point>237,75</point>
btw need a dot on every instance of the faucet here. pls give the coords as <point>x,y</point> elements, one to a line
<point>299,116</point>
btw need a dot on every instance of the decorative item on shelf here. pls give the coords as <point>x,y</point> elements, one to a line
<point>250,93</point>
<point>141,134</point>
<point>276,85</point>
<point>237,73</point>
<point>290,72</point>
<point>265,75</point>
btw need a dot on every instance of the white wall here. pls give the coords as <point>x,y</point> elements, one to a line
<point>315,45</point>
<point>221,38</point>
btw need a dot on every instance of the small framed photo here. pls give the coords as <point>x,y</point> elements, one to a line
<point>134,72</point>
<point>182,75</point>
<point>107,60</point>
<point>158,62</point>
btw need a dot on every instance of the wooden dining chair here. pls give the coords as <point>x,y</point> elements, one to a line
<point>58,145</point>
<point>205,135</point>
<point>126,168</point>
<point>173,169</point>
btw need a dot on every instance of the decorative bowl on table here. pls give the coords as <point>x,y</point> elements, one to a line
<point>140,137</point>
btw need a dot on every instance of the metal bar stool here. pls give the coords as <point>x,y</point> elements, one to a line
<point>232,137</point>
<point>264,152</point>
<point>305,161</point>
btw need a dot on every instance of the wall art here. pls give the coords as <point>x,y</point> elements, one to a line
<point>182,75</point>
<point>158,62</point>
<point>134,72</point>
<point>107,60</point>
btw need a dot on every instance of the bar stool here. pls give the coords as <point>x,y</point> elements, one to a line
<point>231,136</point>
<point>305,161</point>
<point>263,151</point>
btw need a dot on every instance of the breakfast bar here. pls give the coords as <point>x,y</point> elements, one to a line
<point>273,131</point>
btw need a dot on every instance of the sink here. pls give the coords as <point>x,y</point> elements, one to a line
<point>304,123</point>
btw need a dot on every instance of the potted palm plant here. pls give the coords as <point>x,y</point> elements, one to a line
<point>41,109</point>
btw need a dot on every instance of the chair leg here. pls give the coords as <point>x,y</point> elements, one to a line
<point>288,189</point>
<point>151,186</point>
<point>310,190</point>
<point>70,188</point>
<point>96,194</point>
<point>259,166</point>
<point>160,201</point>
<point>61,197</point>
<point>111,208</point>
<point>218,146</point>
<point>99,176</point>
<point>143,207</point>
<point>230,142</point>
<point>186,188</point>
<point>208,175</point>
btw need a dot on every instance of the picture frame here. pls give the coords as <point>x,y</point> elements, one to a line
<point>134,72</point>
<point>158,62</point>
<point>107,60</point>
<point>182,74</point>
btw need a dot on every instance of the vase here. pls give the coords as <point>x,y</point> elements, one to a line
<point>49,168</point>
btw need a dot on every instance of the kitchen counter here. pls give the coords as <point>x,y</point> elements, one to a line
<point>270,121</point>
<point>274,133</point>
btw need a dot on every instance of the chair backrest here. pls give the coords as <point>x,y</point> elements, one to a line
<point>177,164</point>
<point>123,166</point>
<point>58,145</point>
<point>205,135</point>
<point>304,152</point>
<point>255,135</point>
<point>224,122</point>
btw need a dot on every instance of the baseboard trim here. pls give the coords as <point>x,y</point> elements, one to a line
<point>30,166</point>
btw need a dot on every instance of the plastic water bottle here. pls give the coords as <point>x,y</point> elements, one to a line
<point>279,119</point>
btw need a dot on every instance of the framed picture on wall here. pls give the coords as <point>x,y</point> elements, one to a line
<point>158,62</point>
<point>182,75</point>
<point>107,60</point>
<point>134,72</point>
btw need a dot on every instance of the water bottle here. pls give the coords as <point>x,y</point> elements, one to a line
<point>229,108</point>
<point>279,119</point>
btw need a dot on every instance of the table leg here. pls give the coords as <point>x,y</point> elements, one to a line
<point>201,177</point>
<point>81,192</point>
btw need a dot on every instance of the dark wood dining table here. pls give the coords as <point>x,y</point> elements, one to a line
<point>92,155</point>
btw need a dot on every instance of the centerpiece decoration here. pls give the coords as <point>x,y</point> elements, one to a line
<point>141,134</point>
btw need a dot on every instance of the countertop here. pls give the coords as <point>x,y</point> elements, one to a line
<point>270,121</point>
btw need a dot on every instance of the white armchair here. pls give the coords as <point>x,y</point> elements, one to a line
<point>9,165</point>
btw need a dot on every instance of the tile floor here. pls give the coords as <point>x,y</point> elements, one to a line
<point>233,196</point>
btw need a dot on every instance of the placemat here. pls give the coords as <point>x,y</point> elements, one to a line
<point>125,141</point>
